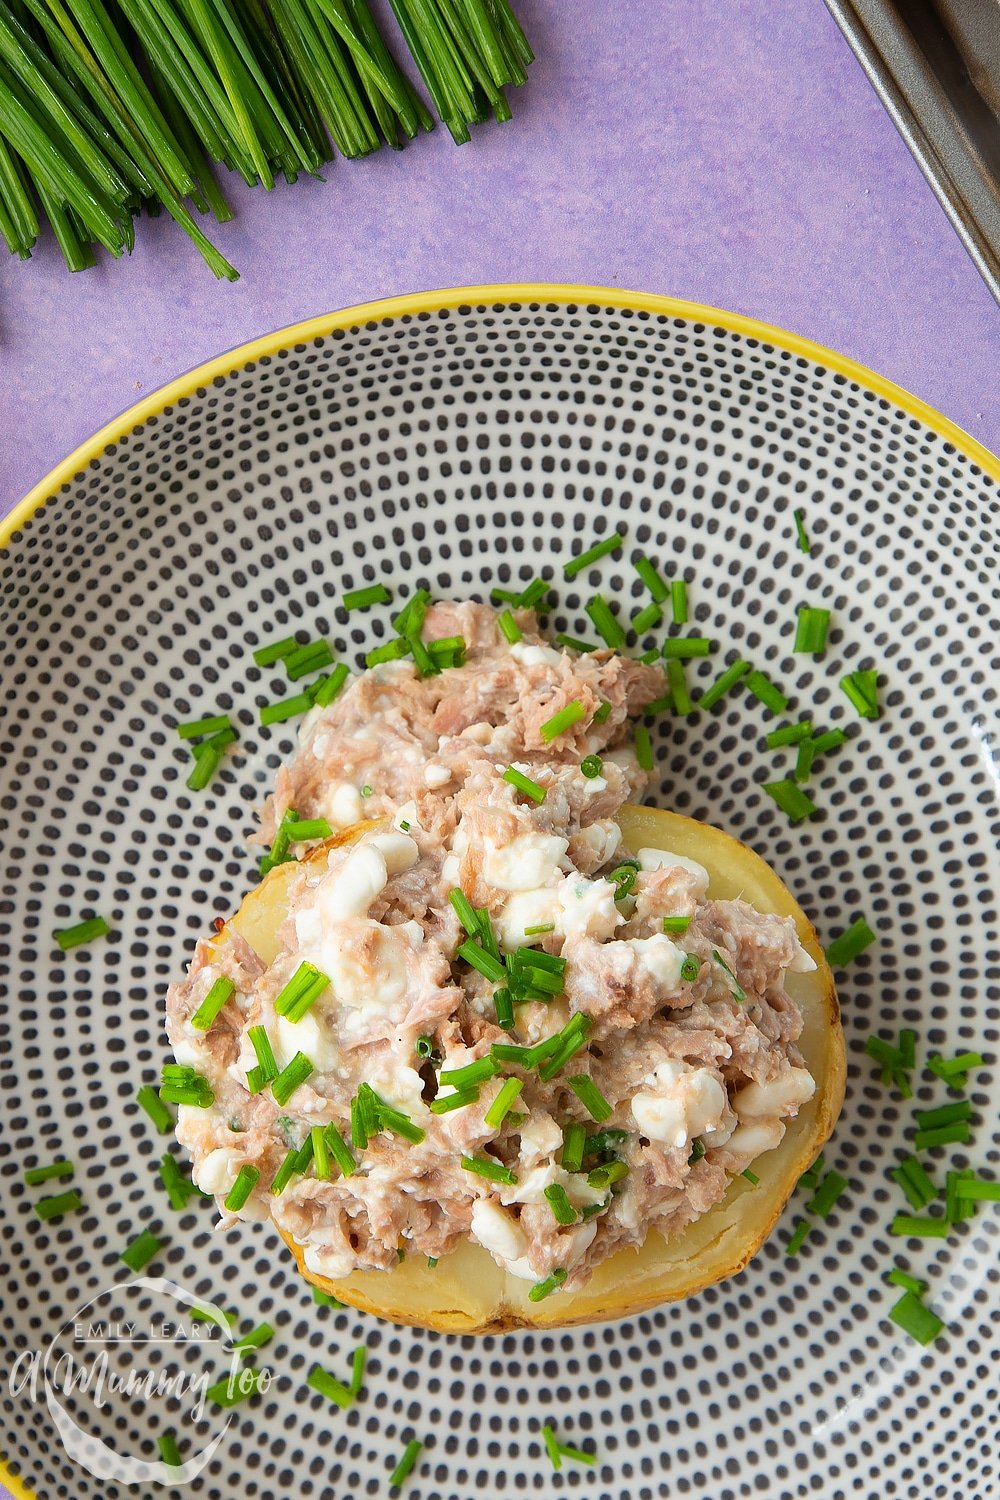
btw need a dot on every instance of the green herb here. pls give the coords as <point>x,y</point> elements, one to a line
<point>909,1283</point>
<point>480,1071</point>
<point>800,531</point>
<point>424,1047</point>
<point>388,651</point>
<point>956,1207</point>
<point>287,708</point>
<point>246,1181</point>
<point>493,1171</point>
<point>953,1071</point>
<point>861,689</point>
<point>608,1174</point>
<point>651,578</point>
<point>358,1369</point>
<point>274,651</point>
<point>697,1152</point>
<point>573,644</point>
<point>411,1452</point>
<point>558,1451</point>
<point>789,734</point>
<point>182,1085</point>
<point>845,947</point>
<point>375,593</point>
<point>509,626</point>
<point>169,1451</point>
<point>722,684</point>
<point>562,1210</point>
<point>58,1204</point>
<point>308,658</point>
<point>607,627</point>
<point>590,1097</point>
<point>676,924</point>
<point>178,1187</point>
<point>552,1446</point>
<point>329,1386</point>
<point>459,1099</point>
<point>339,1150</point>
<point>827,1194</point>
<point>410,620</point>
<point>267,1068</point>
<point>739,994</point>
<point>811,1178</point>
<point>593,554</point>
<point>643,748</point>
<point>764,689</point>
<point>658,705</point>
<point>944,1114</point>
<point>301,992</point>
<point>571,1039</point>
<point>976,1190</point>
<point>563,720</point>
<point>791,799</point>
<point>255,1339</point>
<point>917,1228</point>
<point>679,695</point>
<point>291,1077</point>
<point>679,601</point>
<point>945,1135</point>
<point>197,727</point>
<point>690,968</point>
<point>750,1176</point>
<point>300,832</point>
<point>285,1173</point>
<point>524,784</point>
<point>804,760</point>
<point>646,619</point>
<point>543,1289</point>
<point>503,1103</point>
<point>528,598</point>
<point>602,712</point>
<point>574,1136</point>
<point>798,1237</point>
<point>235,1388</point>
<point>478,958</point>
<point>149,1100</point>
<point>323,693</point>
<point>34,1175</point>
<point>221,991</point>
<point>83,932</point>
<point>831,740</point>
<point>624,878</point>
<point>910,1314</point>
<point>140,1251</point>
<point>811,630</point>
<point>591,767</point>
<point>685,649</point>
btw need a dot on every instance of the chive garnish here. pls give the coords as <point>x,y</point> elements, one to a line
<point>503,1006</point>
<point>274,651</point>
<point>432,1261</point>
<point>178,1187</point>
<point>676,924</point>
<point>320,1154</point>
<point>791,799</point>
<point>646,619</point>
<point>804,759</point>
<point>140,1251</point>
<point>944,1114</point>
<point>563,720</point>
<point>944,1135</point>
<point>149,1100</point>
<point>465,913</point>
<point>562,1210</point>
<point>650,576</point>
<point>623,878</point>
<point>552,1446</point>
<point>679,601</point>
<point>605,623</point>
<point>697,1152</point>
<point>604,1176</point>
<point>722,684</point>
<point>538,928</point>
<point>34,1175</point>
<point>208,758</point>
<point>503,1103</point>
<point>920,1322</point>
<point>477,957</point>
<point>308,659</point>
<point>493,1171</point>
<point>233,1389</point>
<point>404,1468</point>
<point>976,1190</point>
<point>827,1194</point>
<point>246,1181</point>
<point>285,1173</point>
<point>861,689</point>
<point>458,1099</point>
<point>686,648</point>
<point>832,739</point>
<point>573,643</point>
<point>680,698</point>
<point>848,944</point>
<point>593,554</point>
<point>255,1339</point>
<point>811,630</point>
<point>574,1136</point>
<point>798,1237</point>
<point>590,1097</point>
<point>290,1078</point>
<point>480,1071</point>
<point>764,689</point>
<point>919,1228</point>
<point>690,968</point>
<point>388,651</point>
<point>339,1150</point>
<point>194,728</point>
<point>221,991</point>
<point>739,994</point>
<point>957,1208</point>
<point>909,1283</point>
<point>358,1369</point>
<point>83,932</point>
<point>323,693</point>
<point>182,1085</point>
<point>375,593</point>
<point>266,1069</point>
<point>643,748</point>
<point>750,1176</point>
<point>800,531</point>
<point>953,1071</point>
<point>524,784</point>
<point>911,1178</point>
<point>287,708</point>
<point>410,620</point>
<point>302,830</point>
<point>509,627</point>
<point>571,1039</point>
<point>543,1289</point>
<point>58,1204</point>
<point>169,1451</point>
<point>658,705</point>
<point>301,992</point>
<point>329,1386</point>
<point>591,766</point>
<point>602,712</point>
<point>789,734</point>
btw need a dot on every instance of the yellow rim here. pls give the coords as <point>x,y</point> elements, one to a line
<point>418,302</point>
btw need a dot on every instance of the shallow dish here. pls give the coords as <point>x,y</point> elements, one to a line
<point>462,440</point>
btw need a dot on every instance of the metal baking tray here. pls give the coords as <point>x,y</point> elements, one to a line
<point>936,67</point>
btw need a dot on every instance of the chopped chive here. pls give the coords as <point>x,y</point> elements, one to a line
<point>34,1175</point>
<point>604,1141</point>
<point>562,1210</point>
<point>643,748</point>
<point>750,1176</point>
<point>909,1283</point>
<point>685,648</point>
<point>791,799</point>
<point>658,705</point>
<point>679,601</point>
<point>789,734</point>
<point>493,1171</point>
<point>58,1204</point>
<point>605,623</point>
<point>465,913</point>
<point>323,693</point>
<point>607,1174</point>
<point>388,651</point>
<point>593,554</point>
<point>329,1386</point>
<point>590,1097</point>
<point>212,749</point>
<point>574,1136</point>
<point>573,643</point>
<point>532,596</point>
<point>503,1005</point>
<point>800,531</point>
<point>572,1042</point>
<point>182,1085</point>
<point>339,1150</point>
<point>849,943</point>
<point>957,1208</point>
<point>83,932</point>
<point>648,657</point>
<point>798,1238</point>
<point>882,1051</point>
<point>543,1289</point>
<point>650,576</point>
<point>195,727</point>
<point>358,1369</point>
<point>169,1451</point>
<point>246,1181</point>
<point>509,627</point>
<point>235,1388</point>
<point>861,689</point>
<point>945,1114</point>
<point>624,878</point>
<point>285,1173</point>
<point>211,1314</point>
<point>764,689</point>
<point>945,1135</point>
<point>919,1228</point>
<point>908,1048</point>
<point>308,659</point>
<point>538,928</point>
<point>480,1071</point>
<point>920,1322</point>
<point>301,992</point>
<point>503,1103</point>
<point>827,1194</point>
<point>410,620</point>
<point>591,766</point>
<point>364,1117</point>
<point>140,1251</point>
<point>811,630</point>
<point>255,1339</point>
<point>679,695</point>
<point>646,619</point>
<point>578,1455</point>
<point>563,720</point>
<point>274,651</point>
<point>552,1446</point>
<point>912,1188</point>
<point>722,684</point>
<point>304,1154</point>
<point>177,1186</point>
<point>477,956</point>
<point>811,1178</point>
<point>208,758</point>
<point>290,1078</point>
<point>432,1261</point>
<point>949,1067</point>
<point>804,759</point>
<point>459,1099</point>
<point>602,712</point>
<point>676,924</point>
<point>221,991</point>
<point>739,994</point>
<point>690,968</point>
<point>697,1152</point>
<point>404,1468</point>
<point>320,1153</point>
<point>149,1100</point>
<point>976,1190</point>
<point>832,739</point>
<point>287,708</point>
<point>919,1179</point>
<point>308,828</point>
<point>527,1057</point>
<point>375,593</point>
<point>524,784</point>
<point>267,1068</point>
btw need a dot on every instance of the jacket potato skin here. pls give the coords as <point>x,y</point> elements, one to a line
<point>467,1292</point>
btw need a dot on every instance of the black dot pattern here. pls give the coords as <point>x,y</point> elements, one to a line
<point>460,449</point>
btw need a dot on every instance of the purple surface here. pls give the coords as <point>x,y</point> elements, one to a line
<point>705,150</point>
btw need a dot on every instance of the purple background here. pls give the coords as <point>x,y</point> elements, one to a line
<point>718,150</point>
